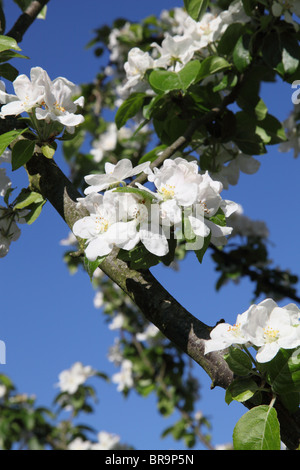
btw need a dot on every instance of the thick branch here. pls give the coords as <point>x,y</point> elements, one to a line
<point>158,306</point>
<point>26,19</point>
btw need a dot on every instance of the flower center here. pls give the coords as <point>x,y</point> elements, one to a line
<point>57,106</point>
<point>270,334</point>
<point>235,329</point>
<point>167,191</point>
<point>101,224</point>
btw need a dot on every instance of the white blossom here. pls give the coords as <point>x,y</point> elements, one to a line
<point>58,104</point>
<point>270,328</point>
<point>265,326</point>
<point>80,444</point>
<point>106,142</point>
<point>124,378</point>
<point>30,93</point>
<point>106,441</point>
<point>71,379</point>
<point>114,175</point>
<point>3,391</point>
<point>102,229</point>
<point>225,335</point>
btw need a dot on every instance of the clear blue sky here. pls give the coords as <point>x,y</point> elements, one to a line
<point>47,316</point>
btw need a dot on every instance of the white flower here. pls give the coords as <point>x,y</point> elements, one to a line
<point>124,378</point>
<point>270,328</point>
<point>106,142</point>
<point>117,322</point>
<point>287,8</point>
<point>101,229</point>
<point>144,222</point>
<point>177,179</point>
<point>137,64</point>
<point>98,299</point>
<point>3,391</point>
<point>70,380</point>
<point>29,93</point>
<point>106,441</point>
<point>5,182</point>
<point>80,444</point>
<point>150,332</point>
<point>175,51</point>
<point>225,335</point>
<point>9,231</point>
<point>115,174</point>
<point>58,103</point>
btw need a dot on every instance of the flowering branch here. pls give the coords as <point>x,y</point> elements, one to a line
<point>26,19</point>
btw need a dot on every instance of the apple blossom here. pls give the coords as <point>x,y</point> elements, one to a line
<point>270,328</point>
<point>106,441</point>
<point>70,380</point>
<point>114,175</point>
<point>29,93</point>
<point>58,104</point>
<point>106,142</point>
<point>225,335</point>
<point>101,229</point>
<point>124,378</point>
<point>265,326</point>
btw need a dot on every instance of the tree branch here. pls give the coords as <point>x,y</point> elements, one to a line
<point>159,307</point>
<point>26,19</point>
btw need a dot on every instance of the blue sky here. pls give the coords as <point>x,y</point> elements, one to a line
<point>48,320</point>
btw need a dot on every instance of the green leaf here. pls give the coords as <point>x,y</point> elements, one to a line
<point>8,43</point>
<point>210,65</point>
<point>258,429</point>
<point>35,211</point>
<point>283,371</point>
<point>7,138</point>
<point>140,192</point>
<point>91,266</point>
<point>238,361</point>
<point>27,197</point>
<point>229,38</point>
<point>164,81</point>
<point>21,153</point>
<point>8,72</point>
<point>242,389</point>
<point>290,53</point>
<point>153,154</point>
<point>129,108</point>
<point>241,54</point>
<point>196,8</point>
<point>200,253</point>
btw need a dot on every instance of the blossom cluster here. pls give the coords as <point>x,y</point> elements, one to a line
<point>125,216</point>
<point>176,50</point>
<point>106,441</point>
<point>46,100</point>
<point>266,327</point>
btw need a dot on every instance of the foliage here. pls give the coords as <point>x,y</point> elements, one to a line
<point>163,98</point>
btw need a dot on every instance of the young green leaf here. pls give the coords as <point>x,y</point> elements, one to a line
<point>196,8</point>
<point>7,138</point>
<point>165,81</point>
<point>129,108</point>
<point>258,429</point>
<point>8,43</point>
<point>238,361</point>
<point>21,153</point>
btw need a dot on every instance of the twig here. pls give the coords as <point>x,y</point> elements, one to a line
<point>26,19</point>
